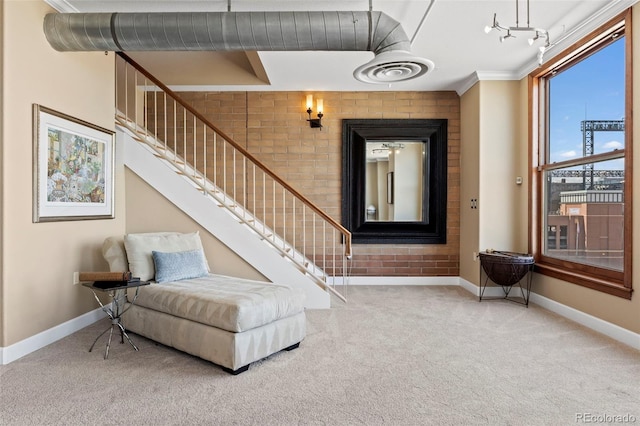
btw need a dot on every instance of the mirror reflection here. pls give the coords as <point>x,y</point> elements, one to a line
<point>394,179</point>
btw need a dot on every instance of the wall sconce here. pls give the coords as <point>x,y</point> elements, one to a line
<point>315,122</point>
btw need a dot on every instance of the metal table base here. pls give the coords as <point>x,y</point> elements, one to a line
<point>513,269</point>
<point>524,291</point>
<point>114,311</point>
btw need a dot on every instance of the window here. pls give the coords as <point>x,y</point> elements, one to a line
<point>581,191</point>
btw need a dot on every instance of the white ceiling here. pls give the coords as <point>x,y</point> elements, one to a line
<point>452,36</point>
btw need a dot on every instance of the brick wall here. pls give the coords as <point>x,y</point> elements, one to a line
<point>272,126</point>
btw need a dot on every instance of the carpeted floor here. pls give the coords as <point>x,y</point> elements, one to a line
<point>393,356</point>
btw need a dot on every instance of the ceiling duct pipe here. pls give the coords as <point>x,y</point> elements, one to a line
<point>245,31</point>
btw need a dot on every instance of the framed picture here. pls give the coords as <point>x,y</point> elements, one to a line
<point>73,164</point>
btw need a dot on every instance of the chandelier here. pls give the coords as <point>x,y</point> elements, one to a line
<point>536,34</point>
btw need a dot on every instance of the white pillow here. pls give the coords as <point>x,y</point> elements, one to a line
<point>139,249</point>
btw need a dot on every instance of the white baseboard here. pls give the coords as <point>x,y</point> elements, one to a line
<point>18,350</point>
<point>611,330</point>
<point>604,327</point>
<point>400,280</point>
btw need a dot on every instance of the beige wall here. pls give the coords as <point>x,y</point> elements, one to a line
<point>492,158</point>
<point>149,211</point>
<point>469,183</point>
<point>500,150</point>
<point>39,258</point>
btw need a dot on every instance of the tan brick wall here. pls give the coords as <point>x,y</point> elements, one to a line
<point>272,126</point>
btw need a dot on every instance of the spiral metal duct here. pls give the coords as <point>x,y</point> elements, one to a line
<point>244,31</point>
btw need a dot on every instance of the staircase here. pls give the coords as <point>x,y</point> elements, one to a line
<point>227,190</point>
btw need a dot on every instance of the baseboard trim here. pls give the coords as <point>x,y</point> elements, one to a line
<point>601,326</point>
<point>18,350</point>
<point>611,330</point>
<point>401,280</point>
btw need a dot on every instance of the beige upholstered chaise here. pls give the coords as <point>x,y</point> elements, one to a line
<point>229,321</point>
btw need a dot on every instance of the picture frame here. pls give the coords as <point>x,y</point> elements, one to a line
<point>73,168</point>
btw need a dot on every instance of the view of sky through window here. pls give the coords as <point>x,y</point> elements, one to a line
<point>590,90</point>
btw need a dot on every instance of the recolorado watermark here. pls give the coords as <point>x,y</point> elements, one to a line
<point>605,418</point>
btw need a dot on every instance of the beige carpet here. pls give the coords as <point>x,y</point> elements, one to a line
<point>392,356</point>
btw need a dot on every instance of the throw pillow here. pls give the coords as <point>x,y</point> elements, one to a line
<point>180,265</point>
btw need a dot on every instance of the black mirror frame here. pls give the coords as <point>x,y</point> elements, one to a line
<point>433,228</point>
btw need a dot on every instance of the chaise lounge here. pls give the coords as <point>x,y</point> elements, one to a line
<point>231,322</point>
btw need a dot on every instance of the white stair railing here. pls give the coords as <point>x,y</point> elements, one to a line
<point>179,135</point>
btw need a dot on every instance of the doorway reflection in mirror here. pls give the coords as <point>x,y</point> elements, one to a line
<point>394,181</point>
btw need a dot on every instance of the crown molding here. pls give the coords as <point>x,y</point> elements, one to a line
<point>477,76</point>
<point>62,6</point>
<point>497,75</point>
<point>467,83</point>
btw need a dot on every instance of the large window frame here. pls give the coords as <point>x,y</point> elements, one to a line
<point>618,283</point>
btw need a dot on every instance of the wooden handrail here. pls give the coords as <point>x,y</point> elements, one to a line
<point>243,151</point>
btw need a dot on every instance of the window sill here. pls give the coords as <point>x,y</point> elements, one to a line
<point>605,286</point>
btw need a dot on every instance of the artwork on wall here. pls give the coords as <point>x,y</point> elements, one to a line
<point>73,166</point>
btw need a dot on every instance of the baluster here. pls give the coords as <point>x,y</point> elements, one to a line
<point>184,141</point>
<point>264,202</point>
<point>324,248</point>
<point>273,202</point>
<point>304,234</point>
<point>165,122</point>
<point>244,187</point>
<point>215,160</point>
<point>313,224</point>
<point>255,212</point>
<point>175,130</point>
<point>204,158</point>
<point>234,177</point>
<point>155,114</point>
<point>224,170</point>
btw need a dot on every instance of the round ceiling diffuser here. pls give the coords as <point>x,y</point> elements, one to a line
<point>392,67</point>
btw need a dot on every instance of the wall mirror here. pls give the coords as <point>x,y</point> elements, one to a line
<point>394,180</point>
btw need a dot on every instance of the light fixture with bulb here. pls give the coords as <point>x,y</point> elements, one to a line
<point>315,122</point>
<point>537,33</point>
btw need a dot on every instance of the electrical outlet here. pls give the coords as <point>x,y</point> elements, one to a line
<point>76,278</point>
<point>475,256</point>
